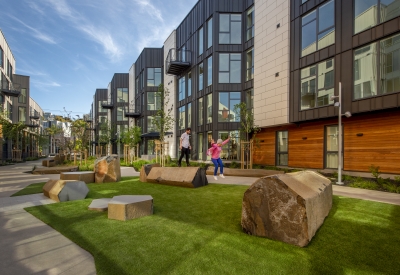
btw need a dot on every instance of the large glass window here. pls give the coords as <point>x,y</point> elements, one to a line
<point>21,114</point>
<point>230,29</point>
<point>122,94</point>
<point>318,28</point>
<point>200,147</point>
<point>1,57</point>
<point>181,118</point>
<point>201,40</point>
<point>189,87</point>
<point>150,124</point>
<point>317,85</point>
<point>209,33</point>
<point>121,114</point>
<point>22,97</point>
<point>201,111</point>
<point>249,64</point>
<point>390,64</point>
<point>230,150</point>
<point>209,71</point>
<point>365,72</point>
<point>153,101</point>
<point>250,99</point>
<point>229,68</point>
<point>227,102</point>
<point>153,77</point>
<point>209,108</point>
<point>181,88</point>
<point>137,86</point>
<point>201,73</point>
<point>332,146</point>
<point>189,110</point>
<point>250,23</point>
<point>367,13</point>
<point>282,148</point>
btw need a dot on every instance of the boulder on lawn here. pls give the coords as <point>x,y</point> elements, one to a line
<point>192,177</point>
<point>287,207</point>
<point>145,170</point>
<point>107,169</point>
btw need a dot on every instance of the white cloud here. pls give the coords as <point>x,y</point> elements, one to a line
<point>150,9</point>
<point>41,84</point>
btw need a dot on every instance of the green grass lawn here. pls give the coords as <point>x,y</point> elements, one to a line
<point>30,189</point>
<point>197,231</point>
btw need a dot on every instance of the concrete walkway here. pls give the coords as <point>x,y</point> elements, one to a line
<point>28,246</point>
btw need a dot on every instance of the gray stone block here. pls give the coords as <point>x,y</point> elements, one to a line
<point>73,190</point>
<point>99,204</point>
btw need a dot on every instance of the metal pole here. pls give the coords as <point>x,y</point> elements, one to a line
<point>340,137</point>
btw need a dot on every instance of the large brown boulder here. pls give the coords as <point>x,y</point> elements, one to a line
<point>287,207</point>
<point>178,176</point>
<point>145,170</point>
<point>107,169</point>
<point>64,190</point>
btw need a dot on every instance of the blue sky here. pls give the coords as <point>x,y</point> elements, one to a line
<point>71,47</point>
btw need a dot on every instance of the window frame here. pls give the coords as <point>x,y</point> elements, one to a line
<point>251,68</point>
<point>201,76</point>
<point>230,71</point>
<point>278,152</point>
<point>209,33</point>
<point>209,70</point>
<point>156,71</point>
<point>124,92</point>
<point>250,28</point>
<point>201,40</point>
<point>229,32</point>
<point>230,111</point>
<point>209,108</point>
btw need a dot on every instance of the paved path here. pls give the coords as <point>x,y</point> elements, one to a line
<point>28,246</point>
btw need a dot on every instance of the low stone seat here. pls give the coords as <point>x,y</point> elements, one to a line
<point>107,169</point>
<point>129,207</point>
<point>48,163</point>
<point>145,170</point>
<point>256,173</point>
<point>192,177</point>
<point>287,207</point>
<point>86,176</point>
<point>99,204</point>
<point>63,190</point>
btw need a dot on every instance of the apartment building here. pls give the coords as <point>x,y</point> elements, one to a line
<point>355,43</point>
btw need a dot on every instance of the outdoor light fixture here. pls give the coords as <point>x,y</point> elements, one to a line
<point>347,114</point>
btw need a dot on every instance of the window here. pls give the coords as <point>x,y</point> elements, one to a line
<point>151,128</point>
<point>250,65</point>
<point>229,68</point>
<point>230,29</point>
<point>122,94</point>
<point>390,64</point>
<point>317,85</point>
<point>201,40</point>
<point>22,97</point>
<point>121,114</point>
<point>282,148</point>
<point>367,13</point>
<point>201,111</point>
<point>1,58</point>
<point>318,29</point>
<point>209,71</point>
<point>9,70</point>
<point>189,110</point>
<point>250,24</point>
<point>153,77</point>
<point>153,101</point>
<point>21,114</point>
<point>365,72</point>
<point>209,108</point>
<point>10,111</point>
<point>189,87</point>
<point>227,101</point>
<point>201,72</point>
<point>231,150</point>
<point>303,1</point>
<point>332,146</point>
<point>250,100</point>
<point>181,118</point>
<point>142,79</point>
<point>200,145</point>
<point>209,33</point>
<point>181,89</point>
<point>137,86</point>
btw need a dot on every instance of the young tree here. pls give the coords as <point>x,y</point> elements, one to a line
<point>163,121</point>
<point>105,133</point>
<point>132,137</point>
<point>52,132</point>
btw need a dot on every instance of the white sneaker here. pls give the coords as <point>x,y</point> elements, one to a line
<point>222,176</point>
<point>215,177</point>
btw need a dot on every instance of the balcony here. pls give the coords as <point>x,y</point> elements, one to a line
<point>177,61</point>
<point>107,105</point>
<point>10,89</point>
<point>34,115</point>
<point>131,112</point>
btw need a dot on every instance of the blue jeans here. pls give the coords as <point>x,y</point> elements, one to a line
<point>216,163</point>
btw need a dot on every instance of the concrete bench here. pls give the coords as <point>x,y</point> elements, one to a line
<point>86,176</point>
<point>99,204</point>
<point>129,207</point>
<point>256,173</point>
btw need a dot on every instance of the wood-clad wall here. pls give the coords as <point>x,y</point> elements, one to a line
<point>378,145</point>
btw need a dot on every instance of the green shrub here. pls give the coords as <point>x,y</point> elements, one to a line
<point>256,166</point>
<point>397,179</point>
<point>348,178</point>
<point>365,184</point>
<point>391,187</point>
<point>138,164</point>
<point>89,167</point>
<point>234,164</point>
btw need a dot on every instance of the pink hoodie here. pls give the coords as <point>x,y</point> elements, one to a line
<point>216,150</point>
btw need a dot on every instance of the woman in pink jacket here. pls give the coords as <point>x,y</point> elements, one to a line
<point>215,153</point>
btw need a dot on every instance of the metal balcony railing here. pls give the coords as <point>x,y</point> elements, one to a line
<point>177,61</point>
<point>9,88</point>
